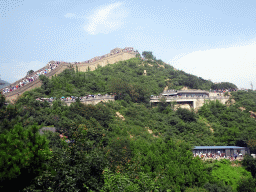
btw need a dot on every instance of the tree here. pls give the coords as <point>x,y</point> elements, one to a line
<point>22,155</point>
<point>30,72</point>
<point>162,104</point>
<point>186,115</point>
<point>138,54</point>
<point>250,164</point>
<point>223,172</point>
<point>251,143</point>
<point>247,185</point>
<point>147,55</point>
<point>76,165</point>
<point>2,100</point>
<point>170,164</point>
<point>46,84</point>
<point>119,87</point>
<point>224,85</point>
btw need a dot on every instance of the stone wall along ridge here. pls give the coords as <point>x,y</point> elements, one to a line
<point>109,58</point>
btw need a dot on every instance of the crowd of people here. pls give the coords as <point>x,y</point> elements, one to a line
<point>218,156</point>
<point>222,90</point>
<point>31,77</point>
<point>73,98</point>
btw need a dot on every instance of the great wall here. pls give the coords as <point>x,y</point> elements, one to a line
<point>114,56</point>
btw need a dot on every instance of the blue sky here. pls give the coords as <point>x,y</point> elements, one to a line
<point>212,39</point>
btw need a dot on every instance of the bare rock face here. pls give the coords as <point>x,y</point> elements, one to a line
<point>166,88</point>
<point>150,131</point>
<point>161,66</point>
<point>230,102</point>
<point>242,108</point>
<point>120,116</point>
<point>184,88</point>
<point>183,106</point>
<point>253,114</point>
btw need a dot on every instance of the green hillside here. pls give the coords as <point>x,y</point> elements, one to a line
<point>124,78</point>
<point>148,150</point>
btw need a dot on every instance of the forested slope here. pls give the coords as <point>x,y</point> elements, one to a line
<point>125,77</point>
<point>148,150</point>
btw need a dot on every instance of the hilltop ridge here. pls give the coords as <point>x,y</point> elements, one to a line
<point>135,79</point>
<point>146,65</point>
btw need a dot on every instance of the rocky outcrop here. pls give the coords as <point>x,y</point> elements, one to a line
<point>120,116</point>
<point>242,108</point>
<point>183,106</point>
<point>253,114</point>
<point>150,131</point>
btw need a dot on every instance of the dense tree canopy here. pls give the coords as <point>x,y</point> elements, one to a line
<point>149,150</point>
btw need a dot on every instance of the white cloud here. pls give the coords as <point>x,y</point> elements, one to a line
<point>70,15</point>
<point>235,64</point>
<point>106,19</point>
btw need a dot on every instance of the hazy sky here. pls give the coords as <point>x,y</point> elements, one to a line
<point>211,39</point>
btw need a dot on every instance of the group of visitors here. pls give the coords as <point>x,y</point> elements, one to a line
<point>73,98</point>
<point>193,95</point>
<point>217,156</point>
<point>31,77</point>
<point>222,90</point>
<point>182,96</point>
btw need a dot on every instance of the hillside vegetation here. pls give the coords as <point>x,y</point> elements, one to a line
<point>147,150</point>
<point>125,77</point>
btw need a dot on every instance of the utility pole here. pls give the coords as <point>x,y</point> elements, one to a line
<point>251,85</point>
